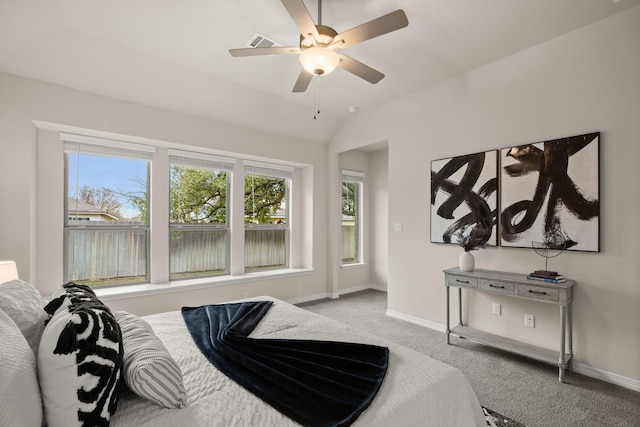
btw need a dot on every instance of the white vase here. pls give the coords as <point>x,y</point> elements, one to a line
<point>466,261</point>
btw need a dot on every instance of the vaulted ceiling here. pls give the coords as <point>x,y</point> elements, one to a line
<point>173,54</point>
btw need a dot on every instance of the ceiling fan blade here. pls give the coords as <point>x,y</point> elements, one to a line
<point>304,78</point>
<point>359,69</point>
<point>257,51</point>
<point>301,17</point>
<point>377,27</point>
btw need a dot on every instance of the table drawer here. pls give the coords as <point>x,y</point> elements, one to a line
<point>462,281</point>
<point>537,292</point>
<point>497,286</point>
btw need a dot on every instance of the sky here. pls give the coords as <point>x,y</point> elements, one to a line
<point>118,174</point>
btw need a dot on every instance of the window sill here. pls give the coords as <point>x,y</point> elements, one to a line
<point>133,291</point>
<point>353,265</point>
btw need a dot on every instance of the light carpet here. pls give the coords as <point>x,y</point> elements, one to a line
<point>516,387</point>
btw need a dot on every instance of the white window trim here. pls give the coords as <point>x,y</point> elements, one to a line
<point>193,159</point>
<point>49,229</point>
<point>146,289</point>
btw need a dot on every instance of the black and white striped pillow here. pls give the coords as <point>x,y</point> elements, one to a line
<point>149,369</point>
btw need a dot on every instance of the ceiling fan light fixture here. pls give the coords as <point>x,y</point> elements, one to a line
<point>319,61</point>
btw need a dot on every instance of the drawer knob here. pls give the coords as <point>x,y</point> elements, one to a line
<point>496,286</point>
<point>462,281</point>
<point>536,292</point>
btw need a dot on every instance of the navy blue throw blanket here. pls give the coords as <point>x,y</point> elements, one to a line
<point>316,383</point>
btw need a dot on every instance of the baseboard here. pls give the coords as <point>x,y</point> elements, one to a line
<point>610,377</point>
<point>416,320</point>
<point>578,368</point>
<point>357,289</point>
<point>361,288</point>
<point>332,295</point>
<point>309,298</point>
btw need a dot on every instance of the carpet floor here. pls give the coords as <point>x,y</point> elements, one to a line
<point>516,387</point>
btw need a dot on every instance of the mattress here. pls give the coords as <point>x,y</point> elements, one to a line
<point>417,390</point>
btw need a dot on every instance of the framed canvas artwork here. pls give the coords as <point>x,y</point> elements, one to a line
<point>550,194</point>
<point>464,199</point>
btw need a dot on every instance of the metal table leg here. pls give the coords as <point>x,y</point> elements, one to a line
<point>460,306</point>
<point>563,329</point>
<point>570,328</point>
<point>448,325</point>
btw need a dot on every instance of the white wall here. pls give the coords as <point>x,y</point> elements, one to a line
<point>379,193</point>
<point>585,81</point>
<point>31,184</point>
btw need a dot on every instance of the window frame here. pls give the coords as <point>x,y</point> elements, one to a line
<point>353,177</point>
<point>299,224</point>
<point>271,170</point>
<point>203,161</point>
<point>88,145</point>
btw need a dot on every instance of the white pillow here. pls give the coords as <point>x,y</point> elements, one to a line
<point>79,360</point>
<point>24,304</point>
<point>20,402</point>
<point>149,369</point>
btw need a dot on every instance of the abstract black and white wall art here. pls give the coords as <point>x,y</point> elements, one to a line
<point>550,193</point>
<point>464,198</point>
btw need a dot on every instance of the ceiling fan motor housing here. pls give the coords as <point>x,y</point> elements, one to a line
<point>325,38</point>
<point>322,47</point>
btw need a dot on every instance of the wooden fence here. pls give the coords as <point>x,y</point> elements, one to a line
<point>127,254</point>
<point>190,251</point>
<point>349,243</point>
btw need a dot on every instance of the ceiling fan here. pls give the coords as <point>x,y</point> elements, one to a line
<point>319,44</point>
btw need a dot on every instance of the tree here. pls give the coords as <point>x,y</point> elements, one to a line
<point>263,197</point>
<point>349,198</point>
<point>197,196</point>
<point>102,198</point>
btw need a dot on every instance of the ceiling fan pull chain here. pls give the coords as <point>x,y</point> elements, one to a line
<point>316,106</point>
<point>319,12</point>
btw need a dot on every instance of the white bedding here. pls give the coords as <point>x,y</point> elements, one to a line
<point>417,390</point>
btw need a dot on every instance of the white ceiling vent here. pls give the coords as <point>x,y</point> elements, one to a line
<point>258,40</point>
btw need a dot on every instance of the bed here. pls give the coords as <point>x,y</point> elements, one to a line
<point>416,391</point>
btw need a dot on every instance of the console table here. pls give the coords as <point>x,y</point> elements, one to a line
<point>517,286</point>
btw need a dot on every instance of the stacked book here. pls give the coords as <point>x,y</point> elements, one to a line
<point>546,276</point>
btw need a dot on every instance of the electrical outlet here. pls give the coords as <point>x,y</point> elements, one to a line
<point>497,309</point>
<point>246,294</point>
<point>529,320</point>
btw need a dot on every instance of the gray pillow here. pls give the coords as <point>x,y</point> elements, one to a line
<point>149,370</point>
<point>24,304</point>
<point>19,382</point>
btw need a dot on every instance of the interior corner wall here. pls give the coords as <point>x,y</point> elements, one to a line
<point>355,276</point>
<point>584,81</point>
<point>29,162</point>
<point>373,272</point>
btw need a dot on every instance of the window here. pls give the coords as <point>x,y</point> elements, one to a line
<point>197,229</point>
<point>198,220</point>
<point>266,214</point>
<point>352,217</point>
<point>106,210</point>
